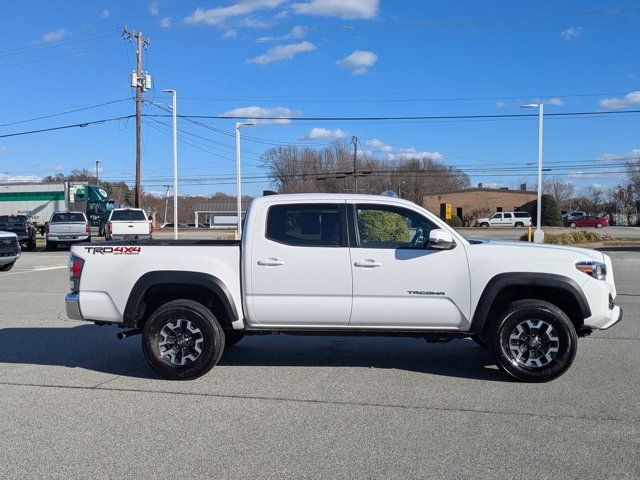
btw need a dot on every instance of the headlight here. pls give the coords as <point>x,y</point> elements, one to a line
<point>596,269</point>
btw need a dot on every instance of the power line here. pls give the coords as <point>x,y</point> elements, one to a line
<point>62,127</point>
<point>57,56</point>
<point>65,113</point>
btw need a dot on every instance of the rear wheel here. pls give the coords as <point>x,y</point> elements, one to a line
<point>182,340</point>
<point>484,225</point>
<point>519,224</point>
<point>51,246</point>
<point>573,225</point>
<point>534,341</point>
<point>31,244</point>
<point>6,267</point>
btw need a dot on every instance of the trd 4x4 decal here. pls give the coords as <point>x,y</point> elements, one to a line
<point>114,250</point>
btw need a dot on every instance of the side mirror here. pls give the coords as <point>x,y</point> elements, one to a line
<point>440,239</point>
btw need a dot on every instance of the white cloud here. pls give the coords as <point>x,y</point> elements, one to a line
<point>571,33</point>
<point>282,52</point>
<point>319,133</point>
<point>153,9</point>
<point>58,168</point>
<point>410,153</point>
<point>255,113</point>
<point>231,33</point>
<point>401,153</point>
<point>165,22</point>
<point>54,35</point>
<point>500,104</point>
<point>105,13</point>
<point>6,178</point>
<point>378,145</point>
<point>345,9</point>
<point>3,149</point>
<point>295,33</point>
<point>217,15</point>
<point>553,101</point>
<point>631,99</point>
<point>618,157</point>
<point>360,61</point>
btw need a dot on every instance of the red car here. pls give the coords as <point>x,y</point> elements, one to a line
<point>589,221</point>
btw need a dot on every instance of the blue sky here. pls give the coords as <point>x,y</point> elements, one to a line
<point>318,58</point>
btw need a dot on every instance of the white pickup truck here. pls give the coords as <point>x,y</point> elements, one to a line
<point>350,265</point>
<point>9,250</point>
<point>128,224</point>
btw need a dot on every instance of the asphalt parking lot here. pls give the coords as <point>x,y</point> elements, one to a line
<point>77,402</point>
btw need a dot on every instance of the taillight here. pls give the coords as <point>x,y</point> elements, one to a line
<point>110,228</point>
<point>75,271</point>
<point>150,228</point>
<point>46,228</point>
<point>26,227</point>
<point>88,229</point>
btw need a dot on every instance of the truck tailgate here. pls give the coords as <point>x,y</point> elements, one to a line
<point>135,227</point>
<point>62,230</point>
<point>104,289</point>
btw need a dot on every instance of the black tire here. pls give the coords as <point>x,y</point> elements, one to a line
<point>519,224</point>
<point>572,225</point>
<point>552,323</point>
<point>6,267</point>
<point>484,225</point>
<point>31,245</point>
<point>208,329</point>
<point>51,246</point>
<point>598,225</point>
<point>231,337</point>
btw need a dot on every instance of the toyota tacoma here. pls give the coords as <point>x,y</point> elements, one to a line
<point>346,265</point>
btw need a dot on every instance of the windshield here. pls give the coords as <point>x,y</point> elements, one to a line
<point>68,217</point>
<point>128,215</point>
<point>13,218</point>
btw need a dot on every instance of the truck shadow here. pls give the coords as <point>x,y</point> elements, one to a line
<point>96,348</point>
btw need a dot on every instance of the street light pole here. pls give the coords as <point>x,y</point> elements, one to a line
<point>538,234</point>
<point>175,163</point>
<point>238,177</point>
<point>98,162</point>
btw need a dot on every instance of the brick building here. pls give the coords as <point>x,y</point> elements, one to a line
<point>478,201</point>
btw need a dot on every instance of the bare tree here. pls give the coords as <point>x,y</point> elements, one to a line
<point>562,191</point>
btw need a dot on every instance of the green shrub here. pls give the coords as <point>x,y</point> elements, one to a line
<point>455,221</point>
<point>574,237</point>
<point>380,226</point>
<point>551,214</point>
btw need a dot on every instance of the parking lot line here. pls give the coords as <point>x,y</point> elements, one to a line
<point>38,269</point>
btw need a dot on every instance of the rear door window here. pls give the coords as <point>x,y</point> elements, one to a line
<point>310,225</point>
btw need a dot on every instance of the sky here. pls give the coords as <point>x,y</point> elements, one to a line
<point>322,58</point>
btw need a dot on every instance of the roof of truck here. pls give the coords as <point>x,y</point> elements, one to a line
<point>331,197</point>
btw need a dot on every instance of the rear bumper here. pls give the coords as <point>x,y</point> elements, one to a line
<point>76,238</point>
<point>130,237</point>
<point>72,306</point>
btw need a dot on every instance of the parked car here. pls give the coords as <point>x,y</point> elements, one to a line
<point>128,224</point>
<point>589,221</point>
<point>568,216</point>
<point>22,227</point>
<point>9,250</point>
<point>66,228</point>
<point>505,219</point>
<point>345,264</point>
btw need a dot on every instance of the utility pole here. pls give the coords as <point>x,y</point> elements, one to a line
<point>166,202</point>
<point>141,85</point>
<point>354,139</point>
<point>98,162</point>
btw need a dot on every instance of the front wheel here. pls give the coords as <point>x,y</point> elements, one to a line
<point>7,266</point>
<point>534,341</point>
<point>598,225</point>
<point>573,225</point>
<point>182,340</point>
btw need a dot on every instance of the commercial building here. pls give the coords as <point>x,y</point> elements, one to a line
<point>474,202</point>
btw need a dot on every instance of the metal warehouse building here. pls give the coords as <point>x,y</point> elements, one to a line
<point>475,200</point>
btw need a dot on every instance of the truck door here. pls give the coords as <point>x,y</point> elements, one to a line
<point>300,267</point>
<point>397,282</point>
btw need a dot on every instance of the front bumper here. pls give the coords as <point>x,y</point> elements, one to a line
<point>616,317</point>
<point>72,305</point>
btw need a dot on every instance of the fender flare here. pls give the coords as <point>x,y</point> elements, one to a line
<point>524,279</point>
<point>150,279</point>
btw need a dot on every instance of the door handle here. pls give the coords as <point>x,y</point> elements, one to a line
<point>367,263</point>
<point>270,262</point>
